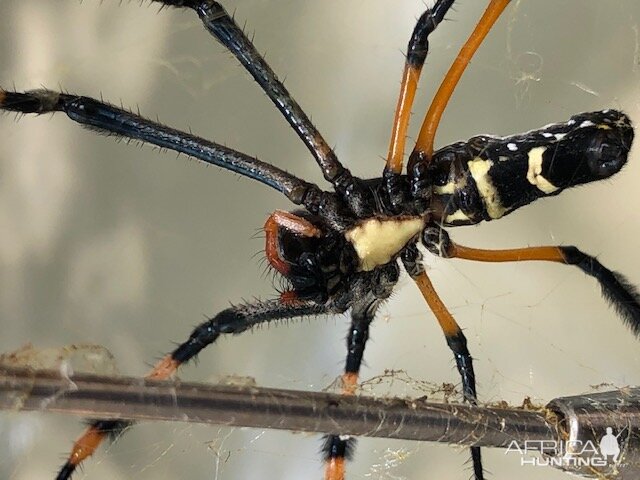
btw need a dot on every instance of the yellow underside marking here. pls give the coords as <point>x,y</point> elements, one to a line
<point>534,174</point>
<point>377,241</point>
<point>447,189</point>
<point>479,169</point>
<point>458,215</point>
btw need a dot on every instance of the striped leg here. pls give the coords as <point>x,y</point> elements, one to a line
<point>417,51</point>
<point>338,448</point>
<point>423,150</point>
<point>456,340</point>
<point>616,289</point>
<point>233,320</point>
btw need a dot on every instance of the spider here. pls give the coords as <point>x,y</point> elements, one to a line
<point>304,244</point>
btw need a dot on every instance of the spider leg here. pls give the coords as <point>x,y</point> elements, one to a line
<point>417,51</point>
<point>223,27</point>
<point>233,320</point>
<point>338,448</point>
<point>457,342</point>
<point>423,151</point>
<point>111,120</point>
<point>616,289</point>
<point>291,222</point>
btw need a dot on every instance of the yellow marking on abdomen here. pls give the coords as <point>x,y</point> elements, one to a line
<point>534,174</point>
<point>458,215</point>
<point>479,169</point>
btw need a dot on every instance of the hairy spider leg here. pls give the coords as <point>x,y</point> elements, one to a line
<point>115,121</point>
<point>418,171</point>
<point>339,448</point>
<point>423,151</point>
<point>616,289</point>
<point>223,27</point>
<point>233,320</point>
<point>417,51</point>
<point>111,120</point>
<point>456,341</point>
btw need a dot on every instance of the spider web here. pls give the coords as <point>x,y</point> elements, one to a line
<point>107,244</point>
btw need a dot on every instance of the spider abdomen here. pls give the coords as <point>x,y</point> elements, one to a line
<point>489,177</point>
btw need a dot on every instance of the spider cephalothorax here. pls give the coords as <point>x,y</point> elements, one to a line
<point>322,264</point>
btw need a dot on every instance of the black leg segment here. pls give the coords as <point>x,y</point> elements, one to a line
<point>457,342</point>
<point>110,120</point>
<point>233,320</point>
<point>616,289</point>
<point>223,27</point>
<point>337,449</point>
<point>238,319</point>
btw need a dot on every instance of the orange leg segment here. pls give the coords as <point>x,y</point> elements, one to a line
<point>549,253</point>
<point>417,51</point>
<point>91,439</point>
<point>457,343</point>
<point>424,144</point>
<point>448,324</point>
<point>408,88</point>
<point>335,467</point>
<point>349,383</point>
<point>288,221</point>
<point>86,445</point>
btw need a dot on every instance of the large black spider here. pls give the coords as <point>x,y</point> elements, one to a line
<point>326,251</point>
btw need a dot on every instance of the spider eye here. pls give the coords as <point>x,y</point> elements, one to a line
<point>605,159</point>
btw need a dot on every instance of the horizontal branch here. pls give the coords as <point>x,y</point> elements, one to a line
<point>247,406</point>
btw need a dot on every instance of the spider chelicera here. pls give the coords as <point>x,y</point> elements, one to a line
<point>341,253</point>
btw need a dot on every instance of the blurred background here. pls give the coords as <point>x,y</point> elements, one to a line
<point>105,243</point>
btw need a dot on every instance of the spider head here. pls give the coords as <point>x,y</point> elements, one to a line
<point>316,262</point>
